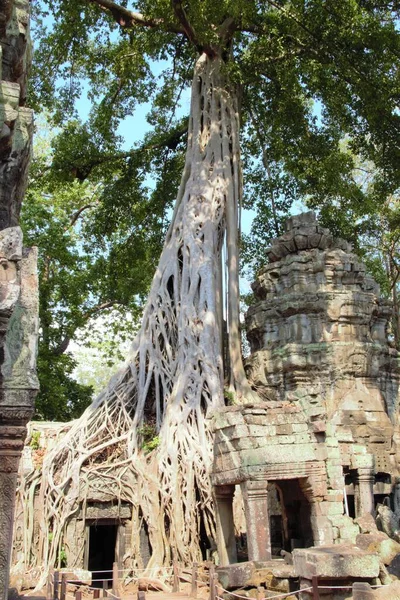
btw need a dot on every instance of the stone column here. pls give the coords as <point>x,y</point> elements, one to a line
<point>364,491</point>
<point>226,541</point>
<point>255,498</point>
<point>18,381</point>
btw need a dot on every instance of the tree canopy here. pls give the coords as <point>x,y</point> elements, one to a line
<point>319,91</point>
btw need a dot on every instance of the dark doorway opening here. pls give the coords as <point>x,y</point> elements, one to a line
<point>349,479</point>
<point>290,527</point>
<point>102,542</point>
<point>145,546</point>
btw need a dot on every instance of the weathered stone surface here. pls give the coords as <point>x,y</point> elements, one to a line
<point>16,120</point>
<point>18,382</point>
<point>254,573</point>
<point>335,562</point>
<point>388,522</point>
<point>363,591</point>
<point>379,543</point>
<point>393,567</point>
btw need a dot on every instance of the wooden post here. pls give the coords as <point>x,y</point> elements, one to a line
<point>212,583</point>
<point>63,591</point>
<point>96,594</point>
<point>193,591</point>
<point>175,586</point>
<point>115,579</point>
<point>105,588</point>
<point>218,588</point>
<point>49,588</point>
<point>56,583</point>
<point>78,595</point>
<point>315,588</point>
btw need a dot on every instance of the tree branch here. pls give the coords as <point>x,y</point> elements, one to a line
<point>128,18</point>
<point>83,170</point>
<point>189,31</point>
<point>78,213</point>
<point>227,29</point>
<point>63,345</point>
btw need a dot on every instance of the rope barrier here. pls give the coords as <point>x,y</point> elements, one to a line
<point>344,587</point>
<point>285,595</point>
<point>233,594</point>
<point>289,593</point>
<point>135,575</point>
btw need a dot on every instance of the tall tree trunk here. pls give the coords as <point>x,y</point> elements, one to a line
<point>174,375</point>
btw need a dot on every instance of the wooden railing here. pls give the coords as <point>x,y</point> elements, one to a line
<point>59,581</point>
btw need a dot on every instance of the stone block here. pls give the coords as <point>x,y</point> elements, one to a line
<point>282,419</point>
<point>255,573</point>
<point>335,562</point>
<point>333,452</point>
<point>322,530</point>
<point>332,508</point>
<point>334,496</point>
<point>256,419</point>
<point>286,429</point>
<point>366,523</point>
<point>256,431</point>
<point>242,443</point>
<point>333,471</point>
<point>379,542</point>
<point>394,566</point>
<point>232,432</point>
<point>344,434</point>
<point>299,427</point>
<point>362,461</point>
<point>318,426</point>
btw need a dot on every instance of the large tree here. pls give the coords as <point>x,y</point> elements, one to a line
<point>265,66</point>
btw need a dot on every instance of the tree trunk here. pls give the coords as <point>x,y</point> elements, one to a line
<point>174,375</point>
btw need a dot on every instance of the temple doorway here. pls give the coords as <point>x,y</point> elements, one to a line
<point>289,516</point>
<point>101,547</point>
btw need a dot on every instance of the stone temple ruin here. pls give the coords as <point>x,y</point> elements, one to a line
<point>321,449</point>
<point>314,460</point>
